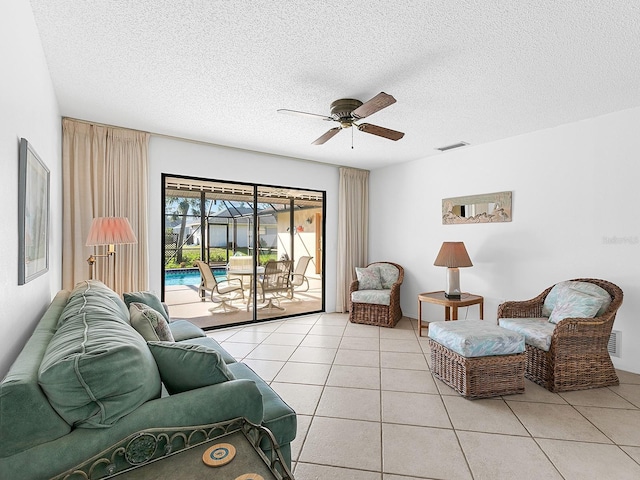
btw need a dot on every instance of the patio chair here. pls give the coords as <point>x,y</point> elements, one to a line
<point>298,277</point>
<point>276,282</point>
<point>220,289</point>
<point>572,353</point>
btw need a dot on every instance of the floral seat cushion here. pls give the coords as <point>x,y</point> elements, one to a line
<point>388,274</point>
<point>376,297</point>
<point>476,338</point>
<point>537,332</point>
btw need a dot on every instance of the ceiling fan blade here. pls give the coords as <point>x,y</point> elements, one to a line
<point>305,114</point>
<point>374,105</point>
<point>380,131</point>
<point>327,136</point>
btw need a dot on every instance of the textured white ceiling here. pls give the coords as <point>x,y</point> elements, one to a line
<point>217,71</point>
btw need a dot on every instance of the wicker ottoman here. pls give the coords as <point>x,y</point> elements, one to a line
<point>477,359</point>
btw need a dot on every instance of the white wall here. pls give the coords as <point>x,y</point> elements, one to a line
<point>28,108</point>
<point>176,157</point>
<point>575,191</point>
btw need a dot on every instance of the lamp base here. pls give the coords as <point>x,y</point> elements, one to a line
<point>453,284</point>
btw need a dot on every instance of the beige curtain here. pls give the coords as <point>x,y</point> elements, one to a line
<point>353,230</point>
<point>104,171</point>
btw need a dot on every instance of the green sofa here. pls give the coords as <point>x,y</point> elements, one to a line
<point>86,379</point>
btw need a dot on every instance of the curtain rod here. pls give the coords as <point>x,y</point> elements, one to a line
<point>202,142</point>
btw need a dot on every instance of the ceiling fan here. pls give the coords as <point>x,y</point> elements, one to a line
<point>347,111</point>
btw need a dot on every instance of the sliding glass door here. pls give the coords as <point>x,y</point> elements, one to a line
<point>265,239</point>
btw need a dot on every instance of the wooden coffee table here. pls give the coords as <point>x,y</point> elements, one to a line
<point>450,305</point>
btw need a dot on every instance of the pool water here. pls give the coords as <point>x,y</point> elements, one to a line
<point>187,276</point>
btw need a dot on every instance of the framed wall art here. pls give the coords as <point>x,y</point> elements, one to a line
<point>33,214</point>
<point>483,208</point>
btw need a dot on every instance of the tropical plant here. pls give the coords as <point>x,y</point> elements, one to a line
<point>181,207</point>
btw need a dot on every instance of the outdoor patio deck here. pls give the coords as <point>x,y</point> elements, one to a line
<point>184,302</point>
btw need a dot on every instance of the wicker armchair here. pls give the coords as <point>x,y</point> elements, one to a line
<point>377,314</point>
<point>577,358</point>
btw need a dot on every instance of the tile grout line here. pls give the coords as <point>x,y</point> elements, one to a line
<point>313,415</point>
<point>534,438</point>
<point>453,427</point>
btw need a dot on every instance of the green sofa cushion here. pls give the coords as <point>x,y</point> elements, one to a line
<point>186,367</point>
<point>184,329</point>
<point>96,368</point>
<point>279,417</point>
<point>211,343</point>
<point>109,306</point>
<point>149,323</point>
<point>26,417</point>
<point>148,298</point>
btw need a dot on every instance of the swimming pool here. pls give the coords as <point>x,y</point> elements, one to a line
<point>187,276</point>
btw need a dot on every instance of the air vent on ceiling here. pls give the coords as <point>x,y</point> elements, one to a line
<point>615,343</point>
<point>452,146</point>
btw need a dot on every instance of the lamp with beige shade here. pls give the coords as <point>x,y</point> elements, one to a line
<point>453,255</point>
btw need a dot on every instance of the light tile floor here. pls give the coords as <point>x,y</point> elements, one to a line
<point>369,409</point>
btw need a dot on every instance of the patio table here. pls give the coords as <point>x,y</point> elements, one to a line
<point>246,272</point>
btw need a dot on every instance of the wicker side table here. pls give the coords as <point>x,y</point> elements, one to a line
<point>477,375</point>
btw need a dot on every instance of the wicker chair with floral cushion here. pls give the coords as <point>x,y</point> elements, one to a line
<point>567,329</point>
<point>375,294</point>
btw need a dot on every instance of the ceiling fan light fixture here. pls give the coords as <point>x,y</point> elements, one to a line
<point>341,109</point>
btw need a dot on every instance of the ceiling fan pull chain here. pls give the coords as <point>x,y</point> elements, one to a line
<point>351,138</point>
